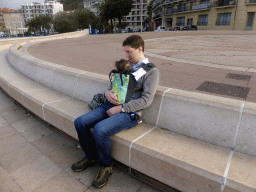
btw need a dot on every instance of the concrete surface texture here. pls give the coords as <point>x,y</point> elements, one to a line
<point>35,157</point>
<point>185,59</point>
<point>174,156</point>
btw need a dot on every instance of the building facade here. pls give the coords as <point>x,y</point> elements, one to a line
<point>2,23</point>
<point>206,14</point>
<point>138,13</point>
<point>12,22</point>
<point>35,9</point>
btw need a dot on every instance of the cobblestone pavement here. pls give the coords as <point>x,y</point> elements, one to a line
<point>185,59</point>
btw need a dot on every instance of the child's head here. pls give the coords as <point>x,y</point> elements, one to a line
<point>123,65</point>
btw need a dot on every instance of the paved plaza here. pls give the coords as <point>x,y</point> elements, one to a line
<point>185,59</point>
<point>41,156</point>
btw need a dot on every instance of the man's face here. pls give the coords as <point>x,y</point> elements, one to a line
<point>132,54</point>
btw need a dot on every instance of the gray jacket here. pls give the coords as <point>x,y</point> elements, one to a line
<point>148,84</point>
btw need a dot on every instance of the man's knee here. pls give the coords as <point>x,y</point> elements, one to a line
<point>78,123</point>
<point>98,132</point>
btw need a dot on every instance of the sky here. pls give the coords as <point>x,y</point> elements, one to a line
<point>16,4</point>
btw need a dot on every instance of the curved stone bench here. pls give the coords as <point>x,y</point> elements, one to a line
<point>189,141</point>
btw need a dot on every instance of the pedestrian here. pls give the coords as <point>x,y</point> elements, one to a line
<point>113,117</point>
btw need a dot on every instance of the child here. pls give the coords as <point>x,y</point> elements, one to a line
<point>121,79</point>
<point>123,68</point>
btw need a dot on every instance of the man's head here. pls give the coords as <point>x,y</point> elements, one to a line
<point>134,48</point>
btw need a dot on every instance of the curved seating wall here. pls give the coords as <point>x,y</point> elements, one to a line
<point>206,130</point>
<point>217,120</point>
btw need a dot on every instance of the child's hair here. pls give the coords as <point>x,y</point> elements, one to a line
<point>123,65</point>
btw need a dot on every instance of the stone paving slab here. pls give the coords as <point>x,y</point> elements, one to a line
<point>37,158</point>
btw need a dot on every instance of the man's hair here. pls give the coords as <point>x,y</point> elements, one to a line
<point>123,65</point>
<point>135,41</point>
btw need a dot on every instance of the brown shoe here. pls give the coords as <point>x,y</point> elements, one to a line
<point>83,164</point>
<point>102,176</point>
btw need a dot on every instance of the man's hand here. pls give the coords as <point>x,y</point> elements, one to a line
<point>114,110</point>
<point>110,97</point>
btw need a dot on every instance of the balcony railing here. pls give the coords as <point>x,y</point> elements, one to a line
<point>248,2</point>
<point>222,3</point>
<point>188,8</point>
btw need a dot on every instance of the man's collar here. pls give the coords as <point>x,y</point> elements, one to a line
<point>145,61</point>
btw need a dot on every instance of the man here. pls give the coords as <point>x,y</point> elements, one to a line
<point>111,117</point>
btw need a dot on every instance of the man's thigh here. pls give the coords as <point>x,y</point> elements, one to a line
<point>93,117</point>
<point>114,124</point>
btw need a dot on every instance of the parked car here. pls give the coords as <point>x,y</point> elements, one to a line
<point>136,30</point>
<point>175,29</point>
<point>146,29</point>
<point>189,27</point>
<point>161,28</point>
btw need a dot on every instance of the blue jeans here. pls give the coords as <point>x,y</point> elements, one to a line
<point>97,146</point>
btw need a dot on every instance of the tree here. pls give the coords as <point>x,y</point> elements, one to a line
<point>39,23</point>
<point>86,17</point>
<point>122,8</point>
<point>111,9</point>
<point>72,4</point>
<point>33,25</point>
<point>65,23</point>
<point>45,22</point>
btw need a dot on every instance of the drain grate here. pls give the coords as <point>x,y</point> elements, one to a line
<point>224,89</point>
<point>238,77</point>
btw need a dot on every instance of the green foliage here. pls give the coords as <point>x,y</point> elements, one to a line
<point>65,23</point>
<point>86,17</point>
<point>111,9</point>
<point>39,23</point>
<point>19,47</point>
<point>80,19</point>
<point>72,4</point>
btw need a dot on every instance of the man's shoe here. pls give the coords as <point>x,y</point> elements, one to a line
<point>102,176</point>
<point>83,164</point>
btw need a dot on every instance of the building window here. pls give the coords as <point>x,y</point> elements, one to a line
<point>202,20</point>
<point>180,21</point>
<point>223,19</point>
<point>250,20</point>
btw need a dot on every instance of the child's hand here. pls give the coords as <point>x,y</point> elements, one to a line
<point>111,98</point>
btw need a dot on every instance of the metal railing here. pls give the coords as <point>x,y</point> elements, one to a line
<point>188,8</point>
<point>250,1</point>
<point>222,3</point>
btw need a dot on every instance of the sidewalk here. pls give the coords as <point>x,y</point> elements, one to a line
<point>37,158</point>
